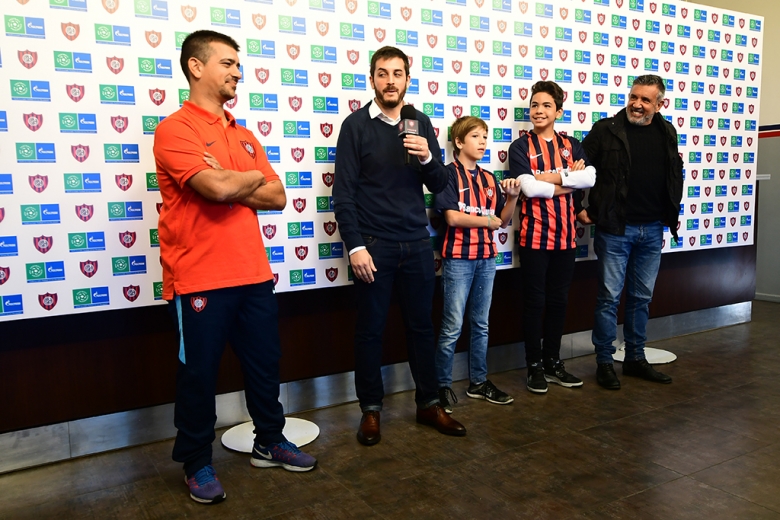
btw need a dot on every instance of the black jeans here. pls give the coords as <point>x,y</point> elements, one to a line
<point>546,276</point>
<point>247,317</point>
<point>409,266</point>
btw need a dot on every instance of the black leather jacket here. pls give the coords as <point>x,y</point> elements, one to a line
<point>607,148</point>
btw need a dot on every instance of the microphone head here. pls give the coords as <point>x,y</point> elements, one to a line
<point>408,112</point>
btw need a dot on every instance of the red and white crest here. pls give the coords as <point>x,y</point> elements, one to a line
<point>748,173</point>
<point>635,62</point>
<point>131,292</point>
<point>379,34</point>
<point>681,85</point>
<point>259,21</point>
<point>738,90</point>
<point>299,205</point>
<point>601,18</point>
<point>751,108</point>
<point>695,173</point>
<point>189,12</point>
<point>157,96</point>
<point>523,92</point>
<point>297,154</point>
<point>457,66</point>
<point>327,179</point>
<point>697,104</point>
<point>119,123</point>
<point>406,13</point>
<point>457,111</point>
<point>49,300</point>
<point>153,38</point>
<point>351,6</point>
<point>502,113</point>
<point>653,7</point>
<point>324,78</point>
<point>326,129</point>
<point>502,25</point>
<point>619,41</point>
<point>724,106</point>
<point>502,155</point>
<point>479,45</point>
<point>709,157</point>
<point>198,303</point>
<point>353,56</point>
<point>581,117</point>
<point>111,5</point>
<point>684,12</point>
<point>33,121</point>
<point>75,92</point>
<point>123,181</point>
<point>502,237</point>
<point>740,56</point>
<point>599,98</point>
<point>583,35</point>
<point>127,238</point>
<point>733,190</point>
<point>262,75</point>
<point>322,28</point>
<point>5,274</point>
<point>28,59</point>
<point>264,127</point>
<point>249,148</point>
<point>295,102</point>
<point>563,53</point>
<point>43,243</point>
<point>618,80</point>
<point>231,103</point>
<point>331,273</point>
<point>456,19</point>
<point>89,268</point>
<point>523,50</point>
<point>301,252</point>
<point>115,64</point>
<point>564,12</point>
<point>354,105</point>
<point>725,72</point>
<point>480,90</point>
<point>80,152</point>
<point>433,87</point>
<point>523,7</point>
<point>432,39</point>
<point>712,88</point>
<point>269,231</point>
<point>293,51</point>
<point>544,31</point>
<point>38,182</point>
<point>680,121</point>
<point>329,227</point>
<point>85,212</point>
<point>543,73</point>
<point>695,140</point>
<point>501,69</point>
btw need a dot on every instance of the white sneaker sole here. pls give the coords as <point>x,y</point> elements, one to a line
<point>261,463</point>
<point>480,396</point>
<point>536,390</point>
<point>553,379</point>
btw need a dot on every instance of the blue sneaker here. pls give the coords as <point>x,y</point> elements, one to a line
<point>205,487</point>
<point>284,454</point>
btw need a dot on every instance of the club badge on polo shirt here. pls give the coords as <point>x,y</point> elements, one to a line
<point>198,303</point>
<point>249,148</point>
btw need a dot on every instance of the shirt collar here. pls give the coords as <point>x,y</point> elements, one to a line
<point>207,116</point>
<point>375,112</point>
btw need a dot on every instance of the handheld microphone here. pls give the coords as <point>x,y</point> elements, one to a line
<point>408,125</point>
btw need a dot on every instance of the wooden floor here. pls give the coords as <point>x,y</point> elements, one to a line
<point>706,446</point>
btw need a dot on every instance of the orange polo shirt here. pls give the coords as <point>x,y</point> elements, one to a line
<point>204,244</point>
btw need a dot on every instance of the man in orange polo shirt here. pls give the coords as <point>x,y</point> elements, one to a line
<point>214,176</point>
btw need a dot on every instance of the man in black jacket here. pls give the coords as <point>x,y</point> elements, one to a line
<point>638,191</point>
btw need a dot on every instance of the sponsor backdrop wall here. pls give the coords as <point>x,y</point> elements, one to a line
<point>85,82</point>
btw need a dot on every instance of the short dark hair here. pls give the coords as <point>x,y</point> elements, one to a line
<point>551,88</point>
<point>386,53</point>
<point>652,80</point>
<point>196,45</point>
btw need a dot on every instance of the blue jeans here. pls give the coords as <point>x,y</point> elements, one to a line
<point>465,281</point>
<point>632,259</point>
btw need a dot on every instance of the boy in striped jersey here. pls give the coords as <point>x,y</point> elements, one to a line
<point>550,166</point>
<point>473,207</point>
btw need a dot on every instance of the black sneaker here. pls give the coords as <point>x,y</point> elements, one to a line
<point>445,394</point>
<point>488,392</point>
<point>645,370</point>
<point>554,372</point>
<point>537,383</point>
<point>606,376</point>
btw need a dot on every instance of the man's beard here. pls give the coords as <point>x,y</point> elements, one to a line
<point>390,104</point>
<point>642,120</point>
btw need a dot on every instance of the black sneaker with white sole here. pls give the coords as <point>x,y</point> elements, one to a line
<point>554,372</point>
<point>489,393</point>
<point>537,383</point>
<point>446,398</point>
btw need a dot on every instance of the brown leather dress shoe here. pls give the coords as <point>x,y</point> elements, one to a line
<point>368,432</point>
<point>436,416</point>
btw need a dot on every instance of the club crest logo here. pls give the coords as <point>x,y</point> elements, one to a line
<point>479,45</point>
<point>5,274</point>
<point>295,103</point>
<point>259,21</point>
<point>198,303</point>
<point>262,75</point>
<point>353,56</point>
<point>43,243</point>
<point>28,59</point>
<point>406,13</point>
<point>354,105</point>
<point>131,292</point>
<point>157,96</point>
<point>565,153</point>
<point>351,6</point>
<point>581,117</point>
<point>293,51</point>
<point>322,28</point>
<point>88,268</point>
<point>523,50</point>
<point>480,90</point>
<point>297,154</point>
<point>583,35</point>
<point>379,34</point>
<point>85,212</point>
<point>618,81</point>
<point>331,273</point>
<point>123,181</point>
<point>501,70</point>
<point>48,301</point>
<point>432,39</point>
<point>153,38</point>
<point>563,53</point>
<point>269,231</point>
<point>329,227</point>
<point>111,5</point>
<point>299,205</point>
<point>502,237</point>
<point>326,129</point>
<point>231,104</point>
<point>324,78</point>
<point>119,123</point>
<point>75,92</point>
<point>457,66</point>
<point>71,31</point>
<point>502,25</point>
<point>456,19</point>
<point>248,148</point>
<point>544,31</point>
<point>543,73</point>
<point>433,87</point>
<point>38,182</point>
<point>327,179</point>
<point>457,111</point>
<point>127,238</point>
<point>502,155</point>
<point>564,12</point>
<point>115,64</point>
<point>301,252</point>
<point>80,152</point>
<point>188,12</point>
<point>264,127</point>
<point>33,121</point>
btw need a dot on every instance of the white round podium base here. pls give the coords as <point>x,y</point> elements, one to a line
<point>655,356</point>
<point>242,437</point>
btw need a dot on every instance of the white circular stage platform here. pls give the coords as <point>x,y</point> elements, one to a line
<point>242,437</point>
